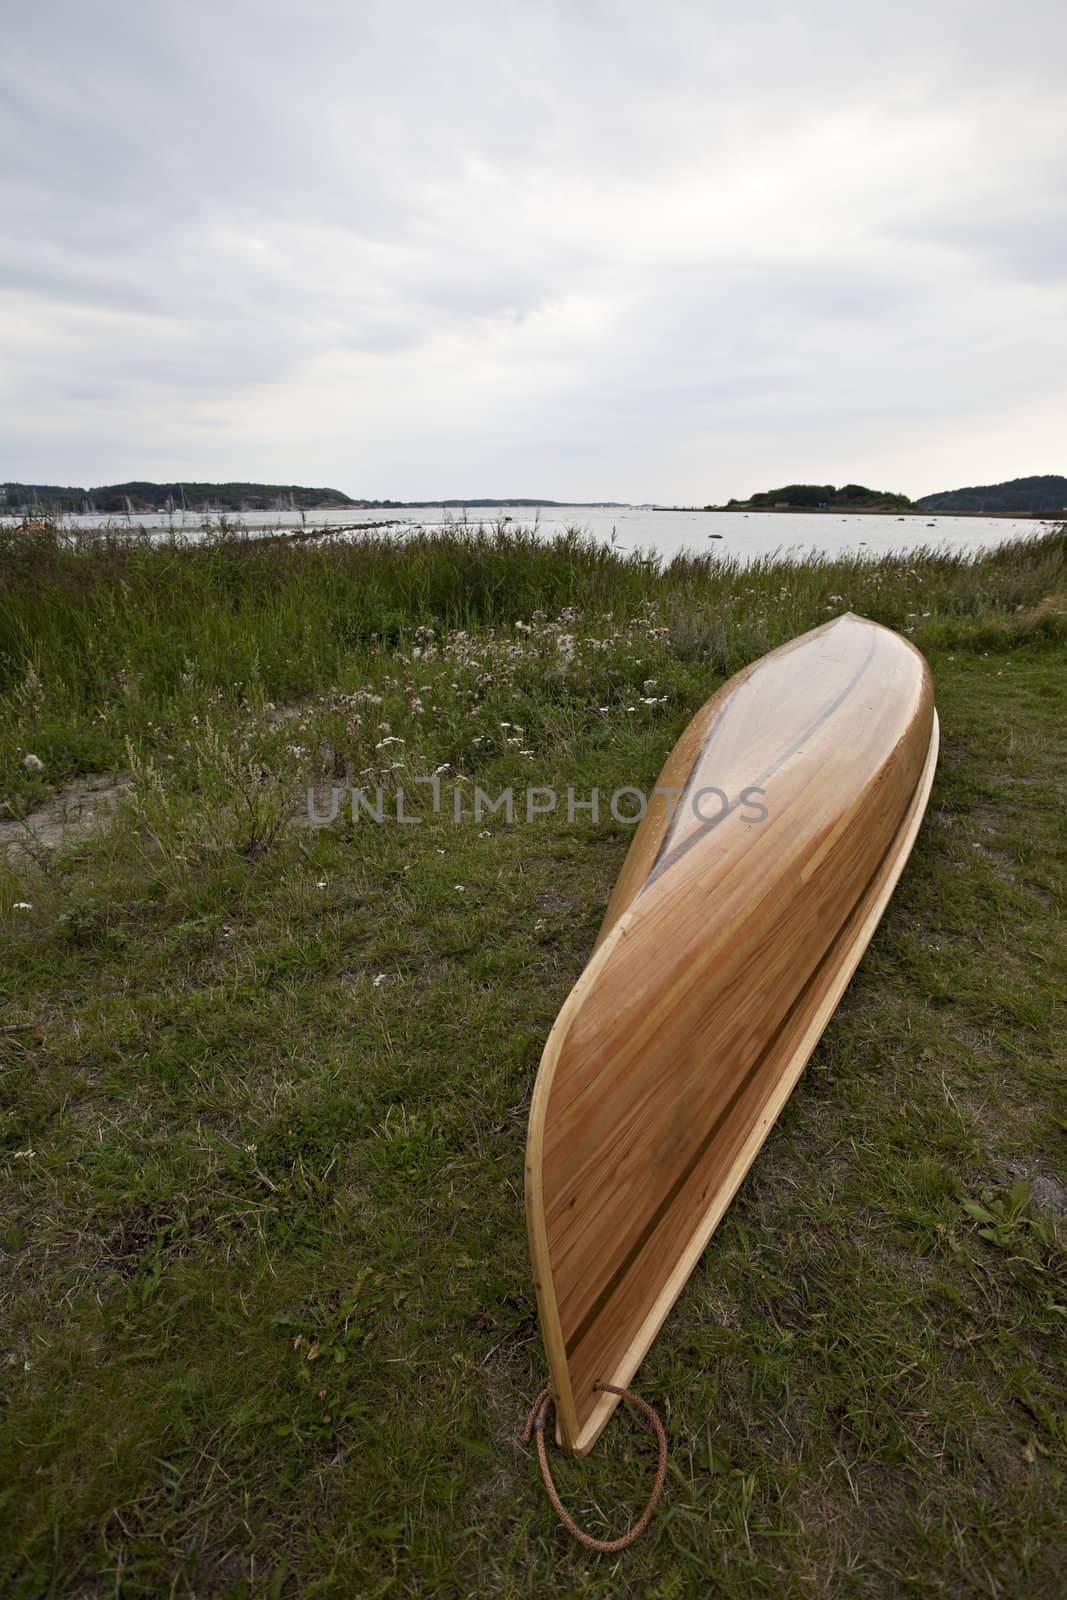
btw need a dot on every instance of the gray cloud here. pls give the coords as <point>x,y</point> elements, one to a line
<point>579,249</point>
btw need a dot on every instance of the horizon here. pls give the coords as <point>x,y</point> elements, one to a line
<point>664,502</point>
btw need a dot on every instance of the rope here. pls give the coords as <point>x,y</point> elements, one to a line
<point>536,1420</point>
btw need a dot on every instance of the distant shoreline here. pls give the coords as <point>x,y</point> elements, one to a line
<point>862,511</point>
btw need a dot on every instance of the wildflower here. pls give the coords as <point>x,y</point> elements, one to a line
<point>321,884</point>
<point>380,979</point>
<point>33,763</point>
<point>460,888</point>
<point>22,905</point>
<point>25,1155</point>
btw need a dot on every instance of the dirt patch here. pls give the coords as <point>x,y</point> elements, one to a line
<point>71,811</point>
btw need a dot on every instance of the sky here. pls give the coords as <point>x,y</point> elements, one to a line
<point>586,250</point>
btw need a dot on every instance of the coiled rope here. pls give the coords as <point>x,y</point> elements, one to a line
<point>546,1401</point>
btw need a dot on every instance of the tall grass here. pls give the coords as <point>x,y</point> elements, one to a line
<point>103,638</point>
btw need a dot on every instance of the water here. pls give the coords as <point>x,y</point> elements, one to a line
<point>666,533</point>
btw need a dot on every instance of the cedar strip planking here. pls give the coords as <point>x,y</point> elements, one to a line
<point>724,950</point>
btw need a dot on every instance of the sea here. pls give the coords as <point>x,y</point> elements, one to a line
<point>649,530</point>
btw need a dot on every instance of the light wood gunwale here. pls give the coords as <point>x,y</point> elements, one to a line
<point>795,1038</point>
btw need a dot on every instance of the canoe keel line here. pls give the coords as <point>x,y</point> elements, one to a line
<point>727,943</point>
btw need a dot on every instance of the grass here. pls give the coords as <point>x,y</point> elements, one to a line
<point>268,1321</point>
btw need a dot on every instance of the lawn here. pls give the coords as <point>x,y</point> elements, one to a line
<point>267,1321</point>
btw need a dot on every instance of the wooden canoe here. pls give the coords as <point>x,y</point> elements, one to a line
<point>728,941</point>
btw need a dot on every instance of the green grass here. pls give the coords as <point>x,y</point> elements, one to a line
<point>268,1325</point>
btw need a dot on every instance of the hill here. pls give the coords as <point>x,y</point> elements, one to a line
<point>163,497</point>
<point>1045,495</point>
<point>823,497</point>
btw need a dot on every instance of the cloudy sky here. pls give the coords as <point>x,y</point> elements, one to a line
<point>583,250</point>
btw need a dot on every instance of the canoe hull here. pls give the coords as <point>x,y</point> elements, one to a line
<point>727,944</point>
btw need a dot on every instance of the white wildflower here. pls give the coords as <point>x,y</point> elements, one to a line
<point>22,905</point>
<point>33,763</point>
